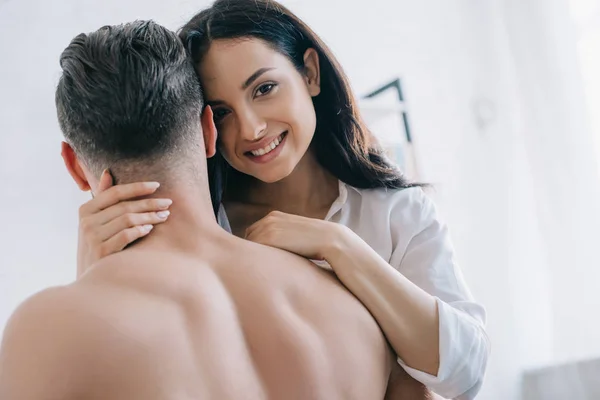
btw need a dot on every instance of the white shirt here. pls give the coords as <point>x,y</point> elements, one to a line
<point>402,226</point>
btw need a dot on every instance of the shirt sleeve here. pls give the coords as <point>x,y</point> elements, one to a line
<point>428,260</point>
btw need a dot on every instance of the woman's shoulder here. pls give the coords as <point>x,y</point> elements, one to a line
<point>388,219</point>
<point>411,201</point>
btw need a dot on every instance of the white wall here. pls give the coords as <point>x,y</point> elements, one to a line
<point>457,60</point>
<point>560,141</point>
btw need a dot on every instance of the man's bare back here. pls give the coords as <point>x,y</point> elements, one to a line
<point>248,323</point>
<point>265,325</point>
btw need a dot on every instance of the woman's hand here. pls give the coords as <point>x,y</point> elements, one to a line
<point>308,237</point>
<point>112,220</point>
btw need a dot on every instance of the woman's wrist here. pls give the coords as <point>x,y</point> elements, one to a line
<point>342,247</point>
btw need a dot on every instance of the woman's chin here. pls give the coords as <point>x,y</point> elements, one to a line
<point>272,176</point>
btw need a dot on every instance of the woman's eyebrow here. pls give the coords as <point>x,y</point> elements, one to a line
<point>255,76</point>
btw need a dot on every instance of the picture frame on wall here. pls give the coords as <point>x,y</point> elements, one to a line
<point>385,113</point>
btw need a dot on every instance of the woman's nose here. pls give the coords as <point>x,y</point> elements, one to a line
<point>252,126</point>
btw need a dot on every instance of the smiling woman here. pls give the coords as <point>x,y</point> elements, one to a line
<point>297,169</point>
<point>340,142</point>
<point>260,134</point>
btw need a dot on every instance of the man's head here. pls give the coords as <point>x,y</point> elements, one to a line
<point>129,100</point>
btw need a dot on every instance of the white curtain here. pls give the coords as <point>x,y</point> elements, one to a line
<point>557,70</point>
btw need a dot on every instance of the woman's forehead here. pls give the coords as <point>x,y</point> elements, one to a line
<point>233,61</point>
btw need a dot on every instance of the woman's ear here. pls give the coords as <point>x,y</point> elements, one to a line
<point>312,72</point>
<point>209,132</point>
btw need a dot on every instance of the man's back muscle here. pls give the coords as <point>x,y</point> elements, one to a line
<point>265,325</point>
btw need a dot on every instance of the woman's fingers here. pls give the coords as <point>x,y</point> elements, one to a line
<point>126,221</point>
<point>121,239</point>
<point>117,194</point>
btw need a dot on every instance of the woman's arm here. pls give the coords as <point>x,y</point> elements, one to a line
<point>406,313</point>
<point>419,299</point>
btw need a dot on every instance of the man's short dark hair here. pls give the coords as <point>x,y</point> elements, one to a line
<point>128,94</point>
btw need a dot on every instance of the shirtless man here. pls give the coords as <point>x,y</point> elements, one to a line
<point>189,312</point>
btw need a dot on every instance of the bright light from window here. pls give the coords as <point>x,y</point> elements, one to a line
<point>583,10</point>
<point>586,15</point>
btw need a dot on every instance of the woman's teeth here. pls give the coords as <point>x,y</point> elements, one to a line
<point>268,148</point>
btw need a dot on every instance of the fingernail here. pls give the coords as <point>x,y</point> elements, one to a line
<point>152,185</point>
<point>163,214</point>
<point>163,203</point>
<point>147,228</point>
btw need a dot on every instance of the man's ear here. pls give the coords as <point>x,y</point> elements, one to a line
<point>74,167</point>
<point>312,71</point>
<point>209,132</point>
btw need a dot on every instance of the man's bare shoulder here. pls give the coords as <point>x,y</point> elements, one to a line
<point>47,314</point>
<point>41,355</point>
<point>154,275</point>
<point>60,340</point>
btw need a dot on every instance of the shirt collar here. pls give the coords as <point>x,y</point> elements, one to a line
<point>340,201</point>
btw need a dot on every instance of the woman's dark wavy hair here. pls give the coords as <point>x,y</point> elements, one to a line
<point>342,143</point>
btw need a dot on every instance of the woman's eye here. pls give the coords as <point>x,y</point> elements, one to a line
<point>264,89</point>
<point>219,114</point>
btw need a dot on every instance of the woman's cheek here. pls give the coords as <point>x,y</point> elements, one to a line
<point>227,150</point>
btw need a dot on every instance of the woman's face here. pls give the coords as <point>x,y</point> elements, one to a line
<point>262,105</point>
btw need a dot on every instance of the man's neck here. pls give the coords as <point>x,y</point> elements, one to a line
<point>191,225</point>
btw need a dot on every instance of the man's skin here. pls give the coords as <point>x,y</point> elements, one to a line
<point>230,320</point>
<point>193,312</point>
